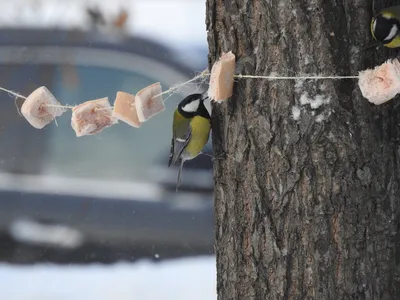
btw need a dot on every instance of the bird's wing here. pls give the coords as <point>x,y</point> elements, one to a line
<point>171,151</point>
<point>178,144</point>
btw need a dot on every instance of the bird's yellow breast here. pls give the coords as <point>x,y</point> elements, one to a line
<point>201,128</point>
<point>180,124</point>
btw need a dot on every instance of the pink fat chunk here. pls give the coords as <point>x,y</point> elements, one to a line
<point>41,108</point>
<point>149,102</point>
<point>382,83</point>
<point>221,78</point>
<point>91,117</point>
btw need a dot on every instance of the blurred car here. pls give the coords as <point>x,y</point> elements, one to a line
<point>111,194</point>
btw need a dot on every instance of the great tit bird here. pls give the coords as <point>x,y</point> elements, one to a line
<point>190,131</point>
<point>385,27</point>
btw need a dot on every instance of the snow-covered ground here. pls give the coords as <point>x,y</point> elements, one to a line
<point>184,279</point>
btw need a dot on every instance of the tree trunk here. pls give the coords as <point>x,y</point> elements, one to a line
<point>306,195</point>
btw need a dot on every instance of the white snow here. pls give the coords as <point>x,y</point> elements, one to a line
<point>305,99</point>
<point>274,74</point>
<point>354,50</point>
<point>117,189</point>
<point>323,116</point>
<point>26,230</point>
<point>183,279</point>
<point>298,85</point>
<point>319,100</point>
<point>308,60</point>
<point>296,113</point>
<point>314,102</point>
<point>320,118</point>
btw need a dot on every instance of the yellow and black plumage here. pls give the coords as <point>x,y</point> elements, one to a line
<point>190,131</point>
<point>385,27</point>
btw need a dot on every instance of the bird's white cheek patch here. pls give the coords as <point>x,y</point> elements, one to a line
<point>192,106</point>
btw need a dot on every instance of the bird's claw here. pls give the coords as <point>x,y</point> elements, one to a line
<point>208,154</point>
<point>218,157</point>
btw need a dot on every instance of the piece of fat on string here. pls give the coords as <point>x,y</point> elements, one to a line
<point>91,117</point>
<point>381,84</point>
<point>125,109</point>
<point>134,110</point>
<point>40,108</point>
<point>222,77</point>
<point>377,85</point>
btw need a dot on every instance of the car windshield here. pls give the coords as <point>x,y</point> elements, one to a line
<point>118,152</point>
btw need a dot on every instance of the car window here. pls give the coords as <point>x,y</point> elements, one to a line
<point>118,152</point>
<point>23,148</point>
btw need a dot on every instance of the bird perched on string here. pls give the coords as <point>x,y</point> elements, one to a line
<point>385,27</point>
<point>190,131</point>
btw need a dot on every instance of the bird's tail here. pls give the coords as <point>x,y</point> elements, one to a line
<point>178,181</point>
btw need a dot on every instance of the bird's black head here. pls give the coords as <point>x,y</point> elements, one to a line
<point>384,28</point>
<point>193,105</point>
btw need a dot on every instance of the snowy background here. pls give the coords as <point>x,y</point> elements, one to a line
<point>185,279</point>
<point>179,24</point>
<point>178,21</point>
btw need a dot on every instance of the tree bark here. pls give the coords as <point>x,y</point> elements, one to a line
<point>307,172</point>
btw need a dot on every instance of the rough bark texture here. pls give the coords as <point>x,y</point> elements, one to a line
<point>306,208</point>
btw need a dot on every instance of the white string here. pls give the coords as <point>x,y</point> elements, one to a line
<point>202,75</point>
<point>205,73</point>
<point>181,85</point>
<point>59,106</point>
<point>12,93</point>
<point>294,77</point>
